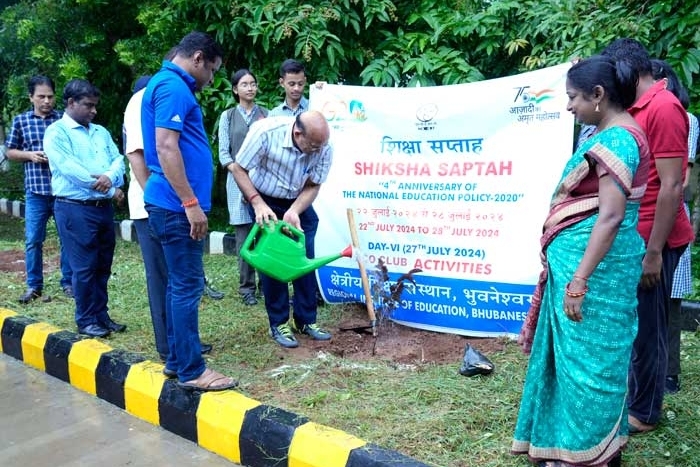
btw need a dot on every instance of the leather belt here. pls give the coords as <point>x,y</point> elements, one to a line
<point>98,203</point>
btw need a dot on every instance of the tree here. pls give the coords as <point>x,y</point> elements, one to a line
<point>360,42</point>
<point>66,39</point>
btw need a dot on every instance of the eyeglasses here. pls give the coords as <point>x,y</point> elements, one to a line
<point>313,146</point>
<point>248,85</point>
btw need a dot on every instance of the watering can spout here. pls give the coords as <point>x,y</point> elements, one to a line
<point>347,252</point>
<point>315,263</point>
<point>279,251</point>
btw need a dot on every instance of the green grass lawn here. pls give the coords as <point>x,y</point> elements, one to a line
<point>427,411</point>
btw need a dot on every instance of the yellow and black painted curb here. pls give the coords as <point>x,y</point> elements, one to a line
<point>227,423</point>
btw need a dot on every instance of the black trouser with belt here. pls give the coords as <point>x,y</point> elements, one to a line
<point>86,229</point>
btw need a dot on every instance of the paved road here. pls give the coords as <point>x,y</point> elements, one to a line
<point>45,422</point>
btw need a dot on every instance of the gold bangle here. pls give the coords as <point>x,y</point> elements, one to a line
<point>584,279</point>
<point>575,294</point>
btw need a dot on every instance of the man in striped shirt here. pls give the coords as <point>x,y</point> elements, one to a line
<point>280,169</point>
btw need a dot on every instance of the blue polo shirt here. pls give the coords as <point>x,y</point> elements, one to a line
<point>169,102</point>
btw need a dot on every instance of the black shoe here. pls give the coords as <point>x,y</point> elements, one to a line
<point>206,348</point>
<point>212,293</point>
<point>30,295</point>
<point>68,291</point>
<point>249,299</point>
<point>113,326</point>
<point>673,385</point>
<point>94,330</point>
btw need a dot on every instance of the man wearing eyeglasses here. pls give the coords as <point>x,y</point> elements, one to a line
<point>280,168</point>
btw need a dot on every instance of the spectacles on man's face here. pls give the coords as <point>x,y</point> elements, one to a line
<point>312,146</point>
<point>251,85</point>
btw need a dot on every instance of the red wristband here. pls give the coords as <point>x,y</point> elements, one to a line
<point>250,200</point>
<point>190,203</point>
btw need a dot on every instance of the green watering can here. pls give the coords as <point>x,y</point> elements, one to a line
<point>279,251</point>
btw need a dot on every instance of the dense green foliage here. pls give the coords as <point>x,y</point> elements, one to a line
<point>362,42</point>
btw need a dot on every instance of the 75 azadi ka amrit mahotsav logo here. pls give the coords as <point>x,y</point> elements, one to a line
<point>527,108</point>
<point>532,97</point>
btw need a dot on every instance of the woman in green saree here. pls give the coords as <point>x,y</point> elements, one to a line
<point>580,328</point>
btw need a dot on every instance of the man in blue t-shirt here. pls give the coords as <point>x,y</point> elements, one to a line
<point>178,196</point>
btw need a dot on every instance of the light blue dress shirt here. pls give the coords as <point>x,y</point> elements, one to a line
<point>76,153</point>
<point>284,110</point>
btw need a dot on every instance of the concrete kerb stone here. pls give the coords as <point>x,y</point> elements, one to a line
<point>215,243</point>
<point>13,208</point>
<point>228,423</point>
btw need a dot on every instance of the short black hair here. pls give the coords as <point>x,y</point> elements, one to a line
<point>631,51</point>
<point>617,78</point>
<point>236,77</point>
<point>238,74</point>
<point>291,66</point>
<point>660,69</point>
<point>39,80</point>
<point>78,89</point>
<point>201,41</point>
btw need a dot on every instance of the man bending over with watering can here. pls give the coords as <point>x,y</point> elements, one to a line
<point>279,169</point>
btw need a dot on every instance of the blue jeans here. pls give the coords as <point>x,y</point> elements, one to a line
<point>156,282</point>
<point>276,293</point>
<point>37,210</point>
<point>184,259</point>
<point>88,237</point>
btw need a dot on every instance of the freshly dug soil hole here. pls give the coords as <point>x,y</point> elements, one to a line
<point>393,342</point>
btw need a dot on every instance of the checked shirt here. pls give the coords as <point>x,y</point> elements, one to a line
<point>27,134</point>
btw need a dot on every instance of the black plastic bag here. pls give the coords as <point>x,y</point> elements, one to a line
<point>475,363</point>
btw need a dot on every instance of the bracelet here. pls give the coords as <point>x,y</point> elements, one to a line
<point>575,294</point>
<point>584,279</point>
<point>190,203</point>
<point>250,200</point>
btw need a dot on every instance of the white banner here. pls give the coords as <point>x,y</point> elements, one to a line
<point>452,180</point>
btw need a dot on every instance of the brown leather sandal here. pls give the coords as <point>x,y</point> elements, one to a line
<point>210,380</point>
